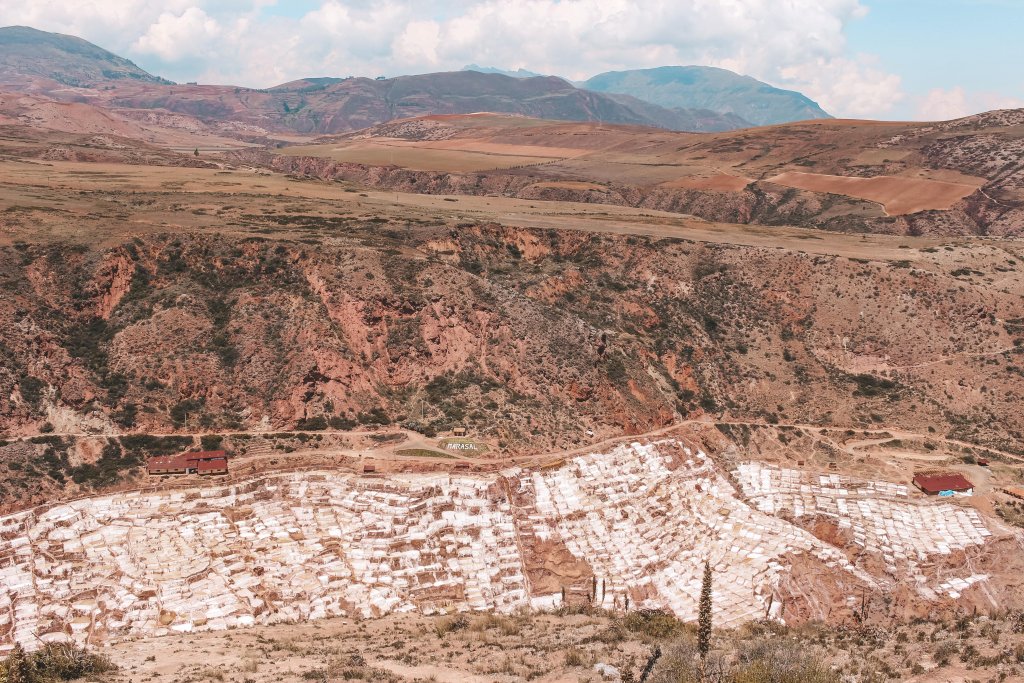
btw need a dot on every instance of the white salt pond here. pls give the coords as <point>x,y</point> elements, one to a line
<point>300,546</point>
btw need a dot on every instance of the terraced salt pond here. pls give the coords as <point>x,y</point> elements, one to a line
<point>642,518</point>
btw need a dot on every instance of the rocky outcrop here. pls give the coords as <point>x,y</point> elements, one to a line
<point>536,336</point>
<point>211,332</point>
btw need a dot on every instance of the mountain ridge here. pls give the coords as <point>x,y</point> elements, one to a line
<point>713,88</point>
<point>64,59</point>
<point>62,67</point>
<point>518,73</point>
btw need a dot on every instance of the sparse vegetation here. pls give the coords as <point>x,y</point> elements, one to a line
<point>53,663</point>
<point>289,301</point>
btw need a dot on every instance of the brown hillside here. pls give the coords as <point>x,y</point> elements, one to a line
<point>960,177</point>
<point>253,309</point>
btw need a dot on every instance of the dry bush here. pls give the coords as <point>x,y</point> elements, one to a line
<point>575,657</point>
<point>761,660</point>
<point>508,626</point>
<point>773,661</point>
<point>446,625</point>
<point>54,662</point>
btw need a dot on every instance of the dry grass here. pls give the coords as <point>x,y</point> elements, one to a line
<point>419,157</point>
<point>898,195</point>
<point>480,648</point>
<point>79,210</point>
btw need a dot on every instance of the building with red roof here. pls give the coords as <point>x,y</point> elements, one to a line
<point>933,484</point>
<point>197,462</point>
<point>212,466</point>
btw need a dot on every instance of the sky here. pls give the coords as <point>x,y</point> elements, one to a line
<point>885,59</point>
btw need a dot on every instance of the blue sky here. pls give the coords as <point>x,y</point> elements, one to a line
<point>976,45</point>
<point>902,59</point>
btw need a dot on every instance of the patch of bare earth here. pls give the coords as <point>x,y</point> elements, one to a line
<point>898,195</point>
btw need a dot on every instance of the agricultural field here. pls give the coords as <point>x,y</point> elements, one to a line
<point>898,195</point>
<point>835,175</point>
<point>430,156</point>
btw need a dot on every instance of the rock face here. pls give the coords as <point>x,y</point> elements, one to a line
<point>228,333</point>
<point>642,518</point>
<point>536,336</point>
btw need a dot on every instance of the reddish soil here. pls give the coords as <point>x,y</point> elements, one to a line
<point>898,195</point>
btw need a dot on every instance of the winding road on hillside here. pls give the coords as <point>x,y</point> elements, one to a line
<point>416,440</point>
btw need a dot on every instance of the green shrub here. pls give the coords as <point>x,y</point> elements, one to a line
<point>312,424</point>
<point>181,410</point>
<point>108,470</point>
<point>125,416</point>
<point>211,442</point>
<point>146,444</point>
<point>653,624</point>
<point>616,370</point>
<point>337,422</point>
<point>31,390</point>
<point>869,386</point>
<point>374,416</point>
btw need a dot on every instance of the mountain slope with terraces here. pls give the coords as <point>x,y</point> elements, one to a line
<point>949,178</point>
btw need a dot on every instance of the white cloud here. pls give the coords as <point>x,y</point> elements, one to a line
<point>173,37</point>
<point>418,43</point>
<point>942,104</point>
<point>850,87</point>
<point>798,44</point>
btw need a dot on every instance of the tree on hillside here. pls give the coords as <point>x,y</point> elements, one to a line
<point>704,620</point>
<point>196,152</point>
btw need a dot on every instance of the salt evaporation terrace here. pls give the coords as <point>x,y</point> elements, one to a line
<point>292,546</point>
<point>882,517</point>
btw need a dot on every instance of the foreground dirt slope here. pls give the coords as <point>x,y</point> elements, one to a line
<point>567,646</point>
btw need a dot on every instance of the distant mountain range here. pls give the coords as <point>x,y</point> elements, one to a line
<point>705,87</point>
<point>697,87</point>
<point>518,73</point>
<point>27,54</point>
<point>323,106</point>
<point>71,69</point>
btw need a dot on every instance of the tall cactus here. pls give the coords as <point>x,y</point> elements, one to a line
<point>704,620</point>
